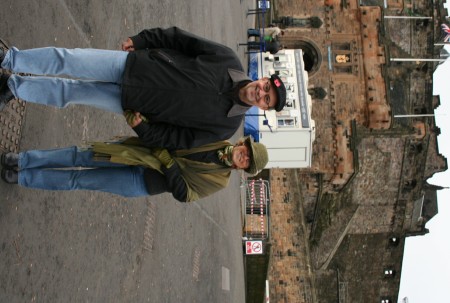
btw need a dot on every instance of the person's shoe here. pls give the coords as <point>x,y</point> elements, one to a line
<point>2,55</point>
<point>10,160</point>
<point>6,94</point>
<point>10,176</point>
<point>3,50</point>
<point>4,80</point>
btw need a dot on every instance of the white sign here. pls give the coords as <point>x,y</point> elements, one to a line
<point>263,4</point>
<point>253,247</point>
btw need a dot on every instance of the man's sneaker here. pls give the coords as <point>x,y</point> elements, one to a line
<point>4,77</point>
<point>3,50</point>
<point>2,54</point>
<point>10,176</point>
<point>10,160</point>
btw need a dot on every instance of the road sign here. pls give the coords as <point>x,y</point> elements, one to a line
<point>263,4</point>
<point>253,247</point>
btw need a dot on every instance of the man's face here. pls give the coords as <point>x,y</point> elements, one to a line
<point>260,93</point>
<point>241,156</point>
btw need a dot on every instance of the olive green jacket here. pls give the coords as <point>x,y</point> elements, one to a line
<point>202,179</point>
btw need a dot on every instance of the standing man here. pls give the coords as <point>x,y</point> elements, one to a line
<point>190,90</point>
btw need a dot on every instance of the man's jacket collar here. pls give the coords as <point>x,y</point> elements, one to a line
<point>237,76</point>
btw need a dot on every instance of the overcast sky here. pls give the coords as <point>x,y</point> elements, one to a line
<point>426,264</point>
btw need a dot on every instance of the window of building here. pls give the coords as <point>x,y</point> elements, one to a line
<point>283,113</point>
<point>394,241</point>
<point>287,122</point>
<point>344,61</point>
<point>343,69</point>
<point>290,87</point>
<point>282,77</point>
<point>279,65</point>
<point>284,72</point>
<point>389,272</point>
<point>280,58</point>
<point>342,46</point>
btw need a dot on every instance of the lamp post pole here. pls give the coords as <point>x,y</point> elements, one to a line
<point>406,17</point>
<point>418,59</point>
<point>412,116</point>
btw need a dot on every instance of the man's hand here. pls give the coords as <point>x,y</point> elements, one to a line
<point>133,118</point>
<point>128,45</point>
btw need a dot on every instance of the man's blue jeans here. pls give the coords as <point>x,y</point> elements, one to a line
<point>54,170</point>
<point>253,32</point>
<point>95,76</point>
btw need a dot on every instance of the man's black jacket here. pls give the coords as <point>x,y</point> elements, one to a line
<point>182,83</point>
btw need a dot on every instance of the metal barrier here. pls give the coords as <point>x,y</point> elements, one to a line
<point>256,218</point>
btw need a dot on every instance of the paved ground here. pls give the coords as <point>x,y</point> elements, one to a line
<point>90,247</point>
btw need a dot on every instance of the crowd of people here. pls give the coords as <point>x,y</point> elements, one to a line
<point>267,39</point>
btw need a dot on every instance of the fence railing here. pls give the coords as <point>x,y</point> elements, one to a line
<point>256,218</point>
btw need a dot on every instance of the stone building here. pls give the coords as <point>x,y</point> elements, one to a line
<point>338,229</point>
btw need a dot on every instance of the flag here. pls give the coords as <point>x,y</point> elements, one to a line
<point>446,32</point>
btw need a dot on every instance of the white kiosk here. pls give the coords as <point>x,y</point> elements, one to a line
<point>290,133</point>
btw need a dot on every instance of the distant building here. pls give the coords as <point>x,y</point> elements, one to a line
<point>338,227</point>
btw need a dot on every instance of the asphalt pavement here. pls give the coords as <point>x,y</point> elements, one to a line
<point>84,246</point>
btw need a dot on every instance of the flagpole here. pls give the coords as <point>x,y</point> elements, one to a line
<point>412,116</point>
<point>406,17</point>
<point>418,59</point>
